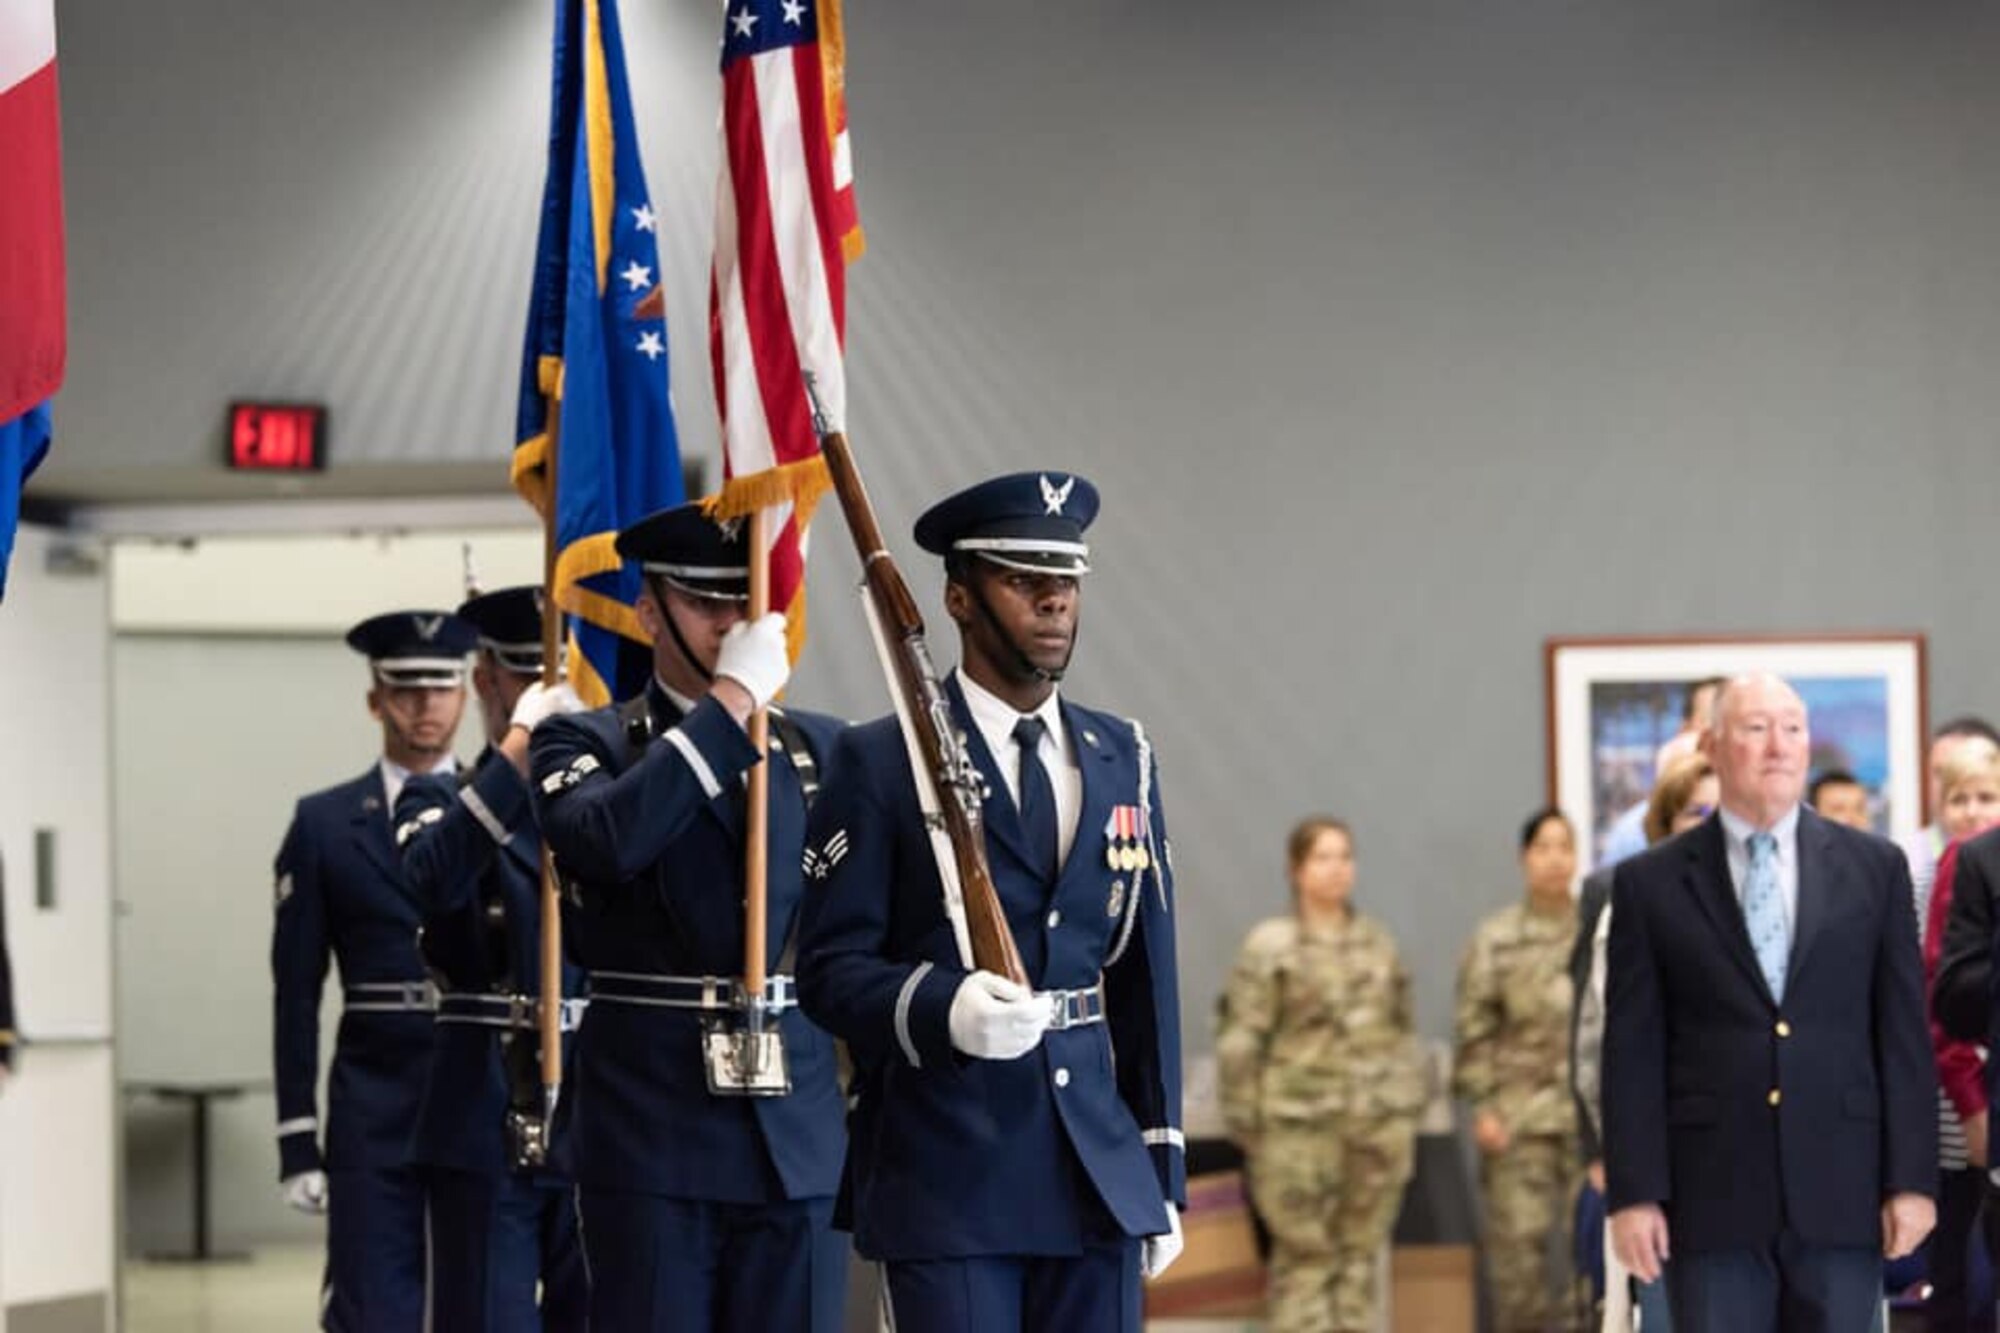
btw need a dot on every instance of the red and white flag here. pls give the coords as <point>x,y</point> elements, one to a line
<point>32,333</point>
<point>785,231</point>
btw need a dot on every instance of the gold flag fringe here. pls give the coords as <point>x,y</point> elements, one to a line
<point>799,484</point>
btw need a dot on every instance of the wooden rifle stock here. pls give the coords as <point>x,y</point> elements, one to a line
<point>953,775</point>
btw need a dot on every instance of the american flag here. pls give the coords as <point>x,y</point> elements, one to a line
<point>785,231</point>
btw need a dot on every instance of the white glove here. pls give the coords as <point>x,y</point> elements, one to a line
<point>538,703</point>
<point>992,1018</point>
<point>1156,1253</point>
<point>754,656</point>
<point>306,1191</point>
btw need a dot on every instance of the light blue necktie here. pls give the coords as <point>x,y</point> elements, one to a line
<point>1764,912</point>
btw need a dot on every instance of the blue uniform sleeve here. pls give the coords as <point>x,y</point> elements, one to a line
<point>448,835</point>
<point>300,952</point>
<point>1142,1005</point>
<point>884,1007</point>
<point>607,826</point>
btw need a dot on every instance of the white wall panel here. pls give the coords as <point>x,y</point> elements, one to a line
<point>57,1114</point>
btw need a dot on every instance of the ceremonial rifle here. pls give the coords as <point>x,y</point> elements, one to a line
<point>950,789</point>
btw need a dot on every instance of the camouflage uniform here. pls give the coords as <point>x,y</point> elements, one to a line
<point>1513,1060</point>
<point>1321,1081</point>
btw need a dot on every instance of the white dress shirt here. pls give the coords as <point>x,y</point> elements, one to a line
<point>395,775</point>
<point>995,718</point>
<point>1736,840</point>
<point>675,697</point>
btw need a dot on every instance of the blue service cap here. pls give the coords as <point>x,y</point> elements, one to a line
<point>424,648</point>
<point>509,624</point>
<point>1031,521</point>
<point>692,551</point>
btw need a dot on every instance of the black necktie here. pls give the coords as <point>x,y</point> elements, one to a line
<point>1038,797</point>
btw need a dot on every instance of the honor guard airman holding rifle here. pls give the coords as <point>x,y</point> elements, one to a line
<point>504,1251</point>
<point>705,1181</point>
<point>342,896</point>
<point>1016,1156</point>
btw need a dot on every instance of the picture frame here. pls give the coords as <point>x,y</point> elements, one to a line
<point>1613,701</point>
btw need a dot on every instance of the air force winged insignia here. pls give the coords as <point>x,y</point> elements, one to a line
<point>1054,497</point>
<point>427,627</point>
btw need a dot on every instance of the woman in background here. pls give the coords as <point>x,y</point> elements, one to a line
<point>1514,996</point>
<point>1321,1087</point>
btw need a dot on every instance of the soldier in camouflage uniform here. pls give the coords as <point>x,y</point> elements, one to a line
<point>1514,995</point>
<point>1322,1086</point>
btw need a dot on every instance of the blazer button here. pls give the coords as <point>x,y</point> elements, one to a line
<point>1784,1028</point>
<point>1776,1097</point>
<point>1055,918</point>
<point>1062,1078</point>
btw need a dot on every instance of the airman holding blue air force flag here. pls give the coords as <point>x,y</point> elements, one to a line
<point>342,896</point>
<point>1016,1159</point>
<point>706,1204</point>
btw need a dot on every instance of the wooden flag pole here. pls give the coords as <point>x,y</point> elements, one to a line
<point>552,950</point>
<point>756,845</point>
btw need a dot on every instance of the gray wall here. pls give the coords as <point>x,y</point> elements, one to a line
<point>1400,336</point>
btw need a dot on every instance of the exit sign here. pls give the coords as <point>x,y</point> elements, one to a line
<point>277,437</point>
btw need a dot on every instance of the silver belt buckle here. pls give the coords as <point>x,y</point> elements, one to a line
<point>743,1051</point>
<point>742,1060</point>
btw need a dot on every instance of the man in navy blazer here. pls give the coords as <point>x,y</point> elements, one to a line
<point>504,1254</point>
<point>1770,1104</point>
<point>342,897</point>
<point>1016,1155</point>
<point>703,1210</point>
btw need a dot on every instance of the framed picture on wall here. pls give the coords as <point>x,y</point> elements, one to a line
<point>1614,702</point>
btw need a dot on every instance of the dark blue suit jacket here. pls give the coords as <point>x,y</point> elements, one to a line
<point>1743,1116</point>
<point>650,845</point>
<point>341,896</point>
<point>481,900</point>
<point>954,1156</point>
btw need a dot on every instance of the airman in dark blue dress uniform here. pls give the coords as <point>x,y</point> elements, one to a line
<point>342,895</point>
<point>502,1222</point>
<point>1016,1155</point>
<point>703,1208</point>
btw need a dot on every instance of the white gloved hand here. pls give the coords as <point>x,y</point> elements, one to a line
<point>538,703</point>
<point>1156,1253</point>
<point>993,1018</point>
<point>754,656</point>
<point>306,1191</point>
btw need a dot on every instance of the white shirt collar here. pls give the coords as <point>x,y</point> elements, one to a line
<point>675,697</point>
<point>394,775</point>
<point>1738,829</point>
<point>996,717</point>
